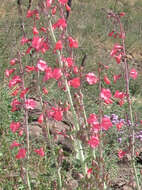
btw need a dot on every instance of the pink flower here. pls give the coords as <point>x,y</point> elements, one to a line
<point>9,72</point>
<point>41,65</point>
<point>75,69</point>
<point>93,142</point>
<point>35,31</point>
<point>45,91</point>
<point>106,80</point>
<point>48,74</point>
<point>121,154</point>
<point>57,113</point>
<point>14,144</point>
<point>117,53</point>
<point>14,126</point>
<point>118,58</point>
<point>30,68</point>
<point>48,3</point>
<point>72,43</point>
<point>21,153</point>
<point>116,77</point>
<point>75,82</point>
<point>69,61</point>
<point>61,23</point>
<point>37,42</point>
<point>57,73</point>
<point>58,45</point>
<point>40,152</point>
<point>119,95</point>
<point>13,61</point>
<point>31,13</point>
<point>24,40</point>
<point>15,80</point>
<point>28,50</point>
<point>15,103</point>
<point>91,78</point>
<point>133,73</point>
<point>119,125</point>
<point>63,2</point>
<point>106,95</point>
<point>30,104</point>
<point>54,9</point>
<point>106,123</point>
<point>92,118</point>
<point>24,92</point>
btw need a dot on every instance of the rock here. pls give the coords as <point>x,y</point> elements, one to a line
<point>126,187</point>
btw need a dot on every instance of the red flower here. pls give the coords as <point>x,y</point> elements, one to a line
<point>30,68</point>
<point>75,82</point>
<point>121,154</point>
<point>41,65</point>
<point>28,50</point>
<point>133,74</point>
<point>91,78</point>
<point>93,142</point>
<point>57,73</point>
<point>15,80</point>
<point>45,91</point>
<point>14,144</point>
<point>122,14</point>
<point>54,9</point>
<point>24,92</point>
<point>40,152</point>
<point>68,8</point>
<point>30,104</point>
<point>15,92</point>
<point>111,34</point>
<point>72,43</point>
<point>118,58</point>
<point>21,153</point>
<point>40,119</point>
<point>106,80</point>
<point>14,126</point>
<point>58,45</point>
<point>119,125</point>
<point>35,31</point>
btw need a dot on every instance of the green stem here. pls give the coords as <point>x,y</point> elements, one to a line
<point>129,105</point>
<point>78,145</point>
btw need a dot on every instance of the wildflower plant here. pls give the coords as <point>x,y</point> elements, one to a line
<point>87,131</point>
